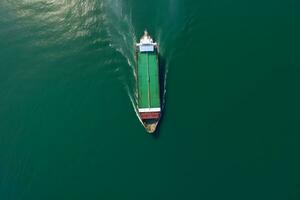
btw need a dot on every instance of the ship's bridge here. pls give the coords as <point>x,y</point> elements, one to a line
<point>146,43</point>
<point>146,48</point>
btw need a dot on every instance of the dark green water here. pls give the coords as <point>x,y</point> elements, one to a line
<point>68,128</point>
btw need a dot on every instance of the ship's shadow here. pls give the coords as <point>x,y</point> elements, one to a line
<point>162,77</point>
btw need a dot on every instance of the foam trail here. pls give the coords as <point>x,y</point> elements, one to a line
<point>120,29</point>
<point>167,34</point>
<point>122,37</point>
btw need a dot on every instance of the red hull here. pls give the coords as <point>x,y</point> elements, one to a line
<point>150,115</point>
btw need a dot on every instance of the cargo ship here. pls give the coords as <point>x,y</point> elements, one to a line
<point>149,105</point>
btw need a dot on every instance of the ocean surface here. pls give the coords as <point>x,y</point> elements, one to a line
<point>231,97</point>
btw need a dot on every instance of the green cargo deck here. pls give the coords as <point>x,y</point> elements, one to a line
<point>148,80</point>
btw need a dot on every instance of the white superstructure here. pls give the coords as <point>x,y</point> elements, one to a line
<point>146,43</point>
